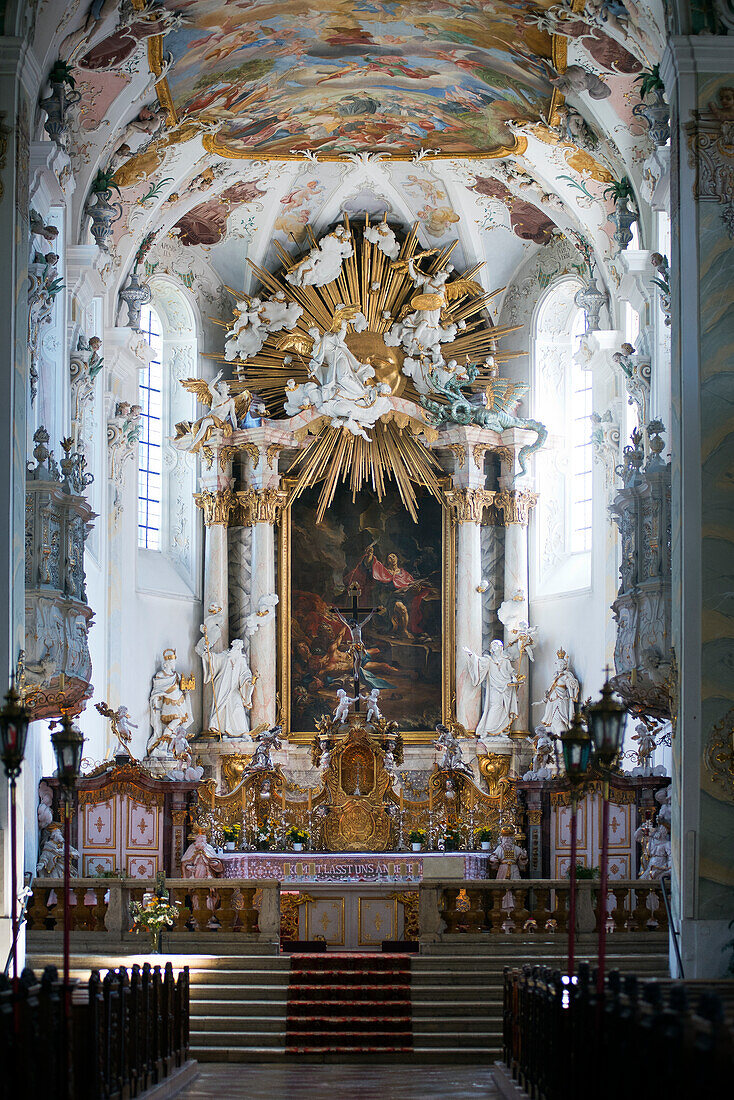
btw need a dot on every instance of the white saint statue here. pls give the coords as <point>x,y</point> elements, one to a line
<point>232,686</point>
<point>200,860</point>
<point>51,860</point>
<point>560,697</point>
<point>170,707</point>
<point>494,670</point>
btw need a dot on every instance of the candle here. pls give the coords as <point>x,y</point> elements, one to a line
<point>430,799</point>
<point>283,797</point>
<point>309,801</point>
<point>401,799</point>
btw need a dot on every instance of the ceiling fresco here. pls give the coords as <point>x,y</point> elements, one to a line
<point>338,76</point>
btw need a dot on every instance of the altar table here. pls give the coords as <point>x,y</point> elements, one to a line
<point>356,867</point>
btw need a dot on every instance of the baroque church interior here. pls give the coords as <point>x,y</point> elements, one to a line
<point>366,458</point>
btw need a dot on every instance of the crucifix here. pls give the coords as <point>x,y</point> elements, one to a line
<point>356,647</point>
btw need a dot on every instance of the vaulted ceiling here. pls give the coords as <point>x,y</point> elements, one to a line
<point>233,124</point>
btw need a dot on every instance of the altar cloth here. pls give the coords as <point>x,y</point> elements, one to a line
<point>355,866</point>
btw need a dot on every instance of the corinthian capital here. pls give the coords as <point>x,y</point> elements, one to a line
<point>467,505</point>
<point>217,506</point>
<point>515,505</point>
<point>260,505</point>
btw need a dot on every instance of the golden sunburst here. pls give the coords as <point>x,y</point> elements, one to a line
<point>384,292</point>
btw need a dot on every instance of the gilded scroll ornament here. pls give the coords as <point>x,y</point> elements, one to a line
<point>217,506</point>
<point>467,505</point>
<point>515,505</point>
<point>260,506</point>
<point>719,754</point>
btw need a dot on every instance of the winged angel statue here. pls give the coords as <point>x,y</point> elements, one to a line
<point>342,388</point>
<point>225,412</point>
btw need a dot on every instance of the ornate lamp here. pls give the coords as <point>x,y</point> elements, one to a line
<point>67,742</point>
<point>14,720</point>
<point>576,750</point>
<point>606,726</point>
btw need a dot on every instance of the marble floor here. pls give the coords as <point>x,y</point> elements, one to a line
<point>318,1082</point>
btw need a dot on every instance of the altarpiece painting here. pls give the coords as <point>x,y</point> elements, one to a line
<point>400,567</point>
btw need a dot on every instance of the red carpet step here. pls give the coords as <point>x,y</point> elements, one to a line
<point>349,1004</point>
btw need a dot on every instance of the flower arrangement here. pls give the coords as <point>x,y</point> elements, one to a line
<point>297,836</point>
<point>152,915</point>
<point>483,837</point>
<point>452,840</point>
<point>231,833</point>
<point>583,872</point>
<point>264,837</point>
<point>417,836</point>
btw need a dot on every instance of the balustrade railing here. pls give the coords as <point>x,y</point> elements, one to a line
<point>127,1031</point>
<point>528,906</point>
<point>205,906</point>
<point>248,910</point>
<point>645,1037</point>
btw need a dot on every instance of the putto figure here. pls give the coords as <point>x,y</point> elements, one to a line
<point>344,702</point>
<point>373,710</point>
<point>122,728</point>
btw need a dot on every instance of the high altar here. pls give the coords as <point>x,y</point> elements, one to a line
<point>366,645</point>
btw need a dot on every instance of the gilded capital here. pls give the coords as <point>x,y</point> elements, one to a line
<point>217,506</point>
<point>515,505</point>
<point>260,506</point>
<point>467,505</point>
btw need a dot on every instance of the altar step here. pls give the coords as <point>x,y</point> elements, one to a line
<point>245,1008</point>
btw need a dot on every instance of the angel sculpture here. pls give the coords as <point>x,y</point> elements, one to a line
<point>342,386</point>
<point>255,321</point>
<point>383,236</point>
<point>452,760</point>
<point>122,728</point>
<point>225,411</point>
<point>324,262</point>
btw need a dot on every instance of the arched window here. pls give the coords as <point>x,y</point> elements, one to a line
<point>166,476</point>
<point>562,399</point>
<point>150,447</point>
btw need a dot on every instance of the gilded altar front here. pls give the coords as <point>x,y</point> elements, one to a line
<point>357,782</point>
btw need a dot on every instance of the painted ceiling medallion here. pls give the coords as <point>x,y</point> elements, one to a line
<point>338,77</point>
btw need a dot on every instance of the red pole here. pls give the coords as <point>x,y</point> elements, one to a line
<point>67,876</point>
<point>603,892</point>
<point>572,892</point>
<point>14,883</point>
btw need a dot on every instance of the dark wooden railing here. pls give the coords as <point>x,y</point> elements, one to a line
<point>127,1032</point>
<point>645,1038</point>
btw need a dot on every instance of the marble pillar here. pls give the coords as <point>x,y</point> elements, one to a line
<point>515,505</point>
<point>468,499</point>
<point>699,86</point>
<point>263,646</point>
<point>217,501</point>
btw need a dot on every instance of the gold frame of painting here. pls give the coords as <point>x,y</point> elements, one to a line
<point>448,623</point>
